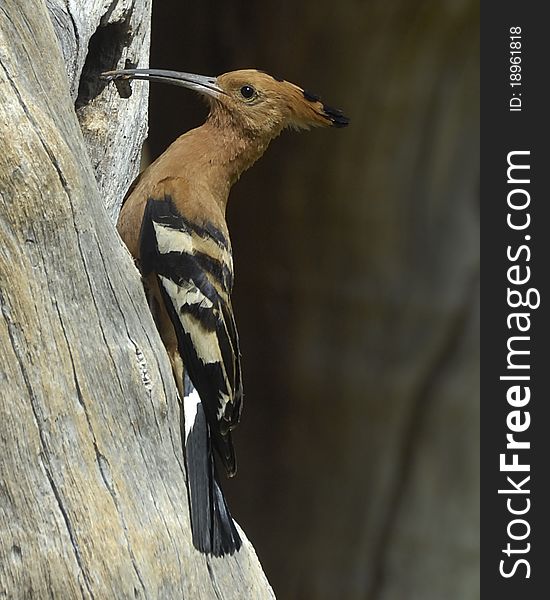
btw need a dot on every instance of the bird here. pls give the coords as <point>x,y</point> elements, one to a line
<point>173,222</point>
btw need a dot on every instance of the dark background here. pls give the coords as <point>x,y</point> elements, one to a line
<point>357,291</point>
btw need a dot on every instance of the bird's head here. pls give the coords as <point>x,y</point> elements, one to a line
<point>265,104</point>
<point>252,100</point>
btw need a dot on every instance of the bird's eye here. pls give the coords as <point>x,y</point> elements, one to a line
<point>247,92</point>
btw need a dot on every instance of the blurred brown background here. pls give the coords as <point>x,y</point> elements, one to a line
<point>357,267</point>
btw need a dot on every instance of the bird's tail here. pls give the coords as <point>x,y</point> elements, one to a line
<point>212,526</point>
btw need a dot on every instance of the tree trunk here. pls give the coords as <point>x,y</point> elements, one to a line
<point>93,502</point>
<point>357,266</point>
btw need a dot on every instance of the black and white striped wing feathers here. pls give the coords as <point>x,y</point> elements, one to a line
<point>195,273</point>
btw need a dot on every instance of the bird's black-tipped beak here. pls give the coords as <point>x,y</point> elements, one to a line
<point>199,83</point>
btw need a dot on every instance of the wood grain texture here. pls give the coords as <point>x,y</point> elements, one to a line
<point>93,501</point>
<point>95,36</point>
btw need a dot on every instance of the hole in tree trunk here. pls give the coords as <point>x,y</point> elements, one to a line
<point>104,52</point>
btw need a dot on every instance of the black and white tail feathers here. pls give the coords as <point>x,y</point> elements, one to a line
<point>194,271</point>
<point>212,526</point>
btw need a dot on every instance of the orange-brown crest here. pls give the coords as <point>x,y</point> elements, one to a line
<point>266,104</point>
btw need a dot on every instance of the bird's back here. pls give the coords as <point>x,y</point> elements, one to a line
<point>181,173</point>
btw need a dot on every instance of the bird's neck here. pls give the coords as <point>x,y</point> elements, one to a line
<point>216,154</point>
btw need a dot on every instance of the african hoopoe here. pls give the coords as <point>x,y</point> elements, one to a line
<point>173,222</point>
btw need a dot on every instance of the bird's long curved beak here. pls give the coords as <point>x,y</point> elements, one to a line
<point>199,83</point>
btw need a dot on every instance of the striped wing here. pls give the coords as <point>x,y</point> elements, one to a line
<point>195,272</point>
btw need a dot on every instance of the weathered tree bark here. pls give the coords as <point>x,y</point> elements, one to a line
<point>95,36</point>
<point>93,502</point>
<point>359,463</point>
